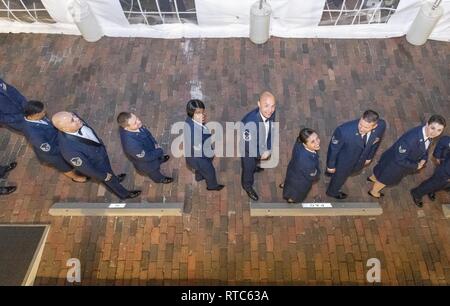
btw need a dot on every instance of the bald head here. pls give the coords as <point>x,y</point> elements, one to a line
<point>66,122</point>
<point>266,104</point>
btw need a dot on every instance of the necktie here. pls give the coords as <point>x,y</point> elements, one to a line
<point>365,139</point>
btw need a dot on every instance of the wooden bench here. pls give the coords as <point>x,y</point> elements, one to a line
<point>117,209</point>
<point>316,209</point>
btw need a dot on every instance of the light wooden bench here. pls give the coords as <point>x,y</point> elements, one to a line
<point>117,209</point>
<point>316,209</point>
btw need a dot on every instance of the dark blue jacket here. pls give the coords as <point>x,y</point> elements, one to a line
<point>253,136</point>
<point>12,104</point>
<point>402,157</point>
<point>442,149</point>
<point>197,141</point>
<point>140,147</point>
<point>88,157</point>
<point>443,170</point>
<point>346,151</point>
<point>44,139</point>
<point>302,170</point>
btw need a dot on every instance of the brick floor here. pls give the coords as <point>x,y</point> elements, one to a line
<point>318,83</point>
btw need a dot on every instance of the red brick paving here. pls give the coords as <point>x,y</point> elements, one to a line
<point>318,83</point>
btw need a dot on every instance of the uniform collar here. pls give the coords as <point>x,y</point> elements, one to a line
<point>425,138</point>
<point>264,119</point>
<point>42,121</point>
<point>308,150</point>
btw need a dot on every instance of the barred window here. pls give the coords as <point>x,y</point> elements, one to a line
<point>153,12</point>
<point>348,12</point>
<point>24,11</point>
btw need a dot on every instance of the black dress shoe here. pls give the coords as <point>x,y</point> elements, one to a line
<point>167,180</point>
<point>199,179</point>
<point>121,177</point>
<point>252,194</point>
<point>381,195</point>
<point>165,158</point>
<point>417,201</point>
<point>7,190</point>
<point>339,196</point>
<point>10,166</point>
<point>432,196</point>
<point>133,194</point>
<point>259,169</point>
<point>219,187</point>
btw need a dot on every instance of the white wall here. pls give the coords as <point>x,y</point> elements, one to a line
<point>230,18</point>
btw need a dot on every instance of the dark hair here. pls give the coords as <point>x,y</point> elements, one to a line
<point>370,116</point>
<point>193,105</point>
<point>122,119</point>
<point>33,107</point>
<point>304,135</point>
<point>437,119</point>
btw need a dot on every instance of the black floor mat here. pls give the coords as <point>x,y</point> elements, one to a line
<point>18,245</point>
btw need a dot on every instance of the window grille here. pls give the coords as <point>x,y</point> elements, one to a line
<point>27,11</point>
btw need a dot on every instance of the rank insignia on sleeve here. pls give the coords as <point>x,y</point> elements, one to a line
<point>401,150</point>
<point>334,140</point>
<point>76,161</point>
<point>45,147</point>
<point>376,140</point>
<point>313,173</point>
<point>141,155</point>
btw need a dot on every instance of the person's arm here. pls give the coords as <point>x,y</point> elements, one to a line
<point>82,164</point>
<point>376,145</point>
<point>42,143</point>
<point>10,118</point>
<point>401,155</point>
<point>335,146</point>
<point>441,147</point>
<point>138,152</point>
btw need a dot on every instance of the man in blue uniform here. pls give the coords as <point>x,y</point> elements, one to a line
<point>141,148</point>
<point>352,146</point>
<point>198,149</point>
<point>440,180</point>
<point>81,147</point>
<point>12,103</point>
<point>256,135</point>
<point>3,170</point>
<point>43,136</point>
<point>407,155</point>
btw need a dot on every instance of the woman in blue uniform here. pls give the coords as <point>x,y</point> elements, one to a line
<point>43,136</point>
<point>407,155</point>
<point>197,144</point>
<point>303,169</point>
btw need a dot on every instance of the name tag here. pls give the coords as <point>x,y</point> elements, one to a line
<point>317,205</point>
<point>117,205</point>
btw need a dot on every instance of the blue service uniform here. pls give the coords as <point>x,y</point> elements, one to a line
<point>12,104</point>
<point>44,139</point>
<point>402,158</point>
<point>438,181</point>
<point>91,159</point>
<point>347,152</point>
<point>254,144</point>
<point>442,149</point>
<point>199,152</point>
<point>303,169</point>
<point>140,147</point>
